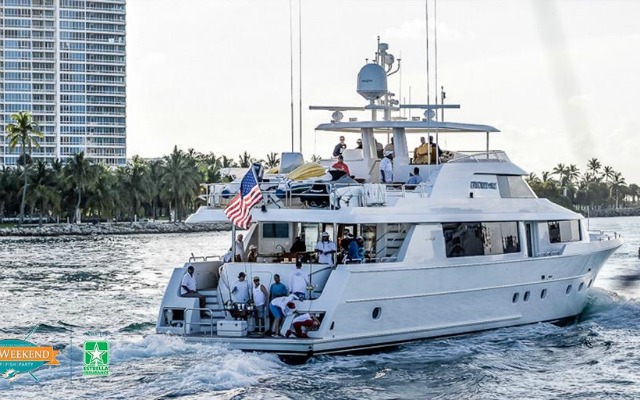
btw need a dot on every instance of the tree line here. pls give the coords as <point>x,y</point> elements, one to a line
<point>598,187</point>
<point>166,187</point>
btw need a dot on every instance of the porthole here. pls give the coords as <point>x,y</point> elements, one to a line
<point>543,294</point>
<point>581,287</point>
<point>590,283</point>
<point>376,313</point>
<point>569,289</point>
<point>332,324</point>
<point>515,298</point>
<point>526,296</point>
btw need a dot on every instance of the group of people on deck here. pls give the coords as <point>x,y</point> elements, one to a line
<point>281,304</point>
<point>425,153</point>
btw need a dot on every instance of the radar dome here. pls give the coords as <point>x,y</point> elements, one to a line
<point>372,82</point>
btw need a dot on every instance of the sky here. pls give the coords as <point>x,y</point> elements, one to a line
<point>559,79</point>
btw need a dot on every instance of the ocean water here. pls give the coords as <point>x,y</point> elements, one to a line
<point>84,288</point>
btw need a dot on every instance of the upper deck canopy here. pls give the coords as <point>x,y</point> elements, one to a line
<point>424,126</point>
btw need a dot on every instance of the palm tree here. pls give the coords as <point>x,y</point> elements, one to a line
<point>78,172</point>
<point>634,192</point>
<point>23,132</point>
<point>273,160</point>
<point>182,179</point>
<point>608,173</point>
<point>226,162</point>
<point>617,183</point>
<point>45,196</point>
<point>136,183</point>
<point>9,187</point>
<point>594,166</point>
<point>156,169</point>
<point>101,195</point>
<point>245,160</point>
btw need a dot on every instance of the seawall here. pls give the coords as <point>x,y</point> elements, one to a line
<point>121,228</point>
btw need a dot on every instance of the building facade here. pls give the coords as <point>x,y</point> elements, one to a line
<point>64,61</point>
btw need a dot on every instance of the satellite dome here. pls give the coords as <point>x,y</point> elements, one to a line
<point>372,82</point>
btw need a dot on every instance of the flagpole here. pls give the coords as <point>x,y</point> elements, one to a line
<point>264,201</point>
<point>233,242</point>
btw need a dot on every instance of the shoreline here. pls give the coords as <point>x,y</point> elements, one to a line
<point>611,212</point>
<point>120,228</point>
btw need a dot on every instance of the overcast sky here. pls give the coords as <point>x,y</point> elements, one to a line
<point>560,79</point>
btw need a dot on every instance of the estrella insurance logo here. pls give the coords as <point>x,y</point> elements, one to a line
<point>21,357</point>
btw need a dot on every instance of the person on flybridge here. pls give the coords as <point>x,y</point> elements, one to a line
<point>339,147</point>
<point>386,167</point>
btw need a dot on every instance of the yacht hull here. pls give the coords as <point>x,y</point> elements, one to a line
<point>369,308</point>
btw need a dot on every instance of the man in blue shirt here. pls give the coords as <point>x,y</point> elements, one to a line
<point>276,290</point>
<point>414,179</point>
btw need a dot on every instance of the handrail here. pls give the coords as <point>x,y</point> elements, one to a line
<point>186,321</point>
<point>480,156</point>
<point>203,258</point>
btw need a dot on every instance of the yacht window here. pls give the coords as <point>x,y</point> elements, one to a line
<point>564,231</point>
<point>480,238</point>
<point>275,230</point>
<point>512,186</point>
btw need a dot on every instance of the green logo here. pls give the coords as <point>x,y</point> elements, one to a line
<point>96,358</point>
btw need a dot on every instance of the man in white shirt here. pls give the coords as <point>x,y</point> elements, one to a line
<point>260,297</point>
<point>188,287</point>
<point>240,289</point>
<point>325,249</point>
<point>386,167</point>
<point>299,281</point>
<point>239,248</point>
<point>281,307</point>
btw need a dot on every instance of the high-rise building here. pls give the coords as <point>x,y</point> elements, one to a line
<point>64,61</point>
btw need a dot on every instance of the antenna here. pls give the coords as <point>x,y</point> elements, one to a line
<point>426,17</point>
<point>291,67</point>
<point>300,66</point>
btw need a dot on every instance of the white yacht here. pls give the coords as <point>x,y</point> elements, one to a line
<point>469,248</point>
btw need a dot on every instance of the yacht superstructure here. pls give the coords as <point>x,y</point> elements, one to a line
<point>469,248</point>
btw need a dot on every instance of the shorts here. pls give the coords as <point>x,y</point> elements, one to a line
<point>277,313</point>
<point>260,310</point>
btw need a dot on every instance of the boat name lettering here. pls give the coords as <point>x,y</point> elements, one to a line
<point>484,185</point>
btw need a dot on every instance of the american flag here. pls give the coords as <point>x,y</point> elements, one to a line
<point>239,210</point>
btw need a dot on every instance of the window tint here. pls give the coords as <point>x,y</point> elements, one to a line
<point>480,238</point>
<point>273,230</point>
<point>564,231</point>
<point>511,186</point>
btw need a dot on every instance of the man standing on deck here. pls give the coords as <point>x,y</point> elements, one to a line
<point>260,297</point>
<point>277,289</point>
<point>239,248</point>
<point>188,287</point>
<point>325,249</point>
<point>299,281</point>
<point>386,167</point>
<point>240,289</point>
